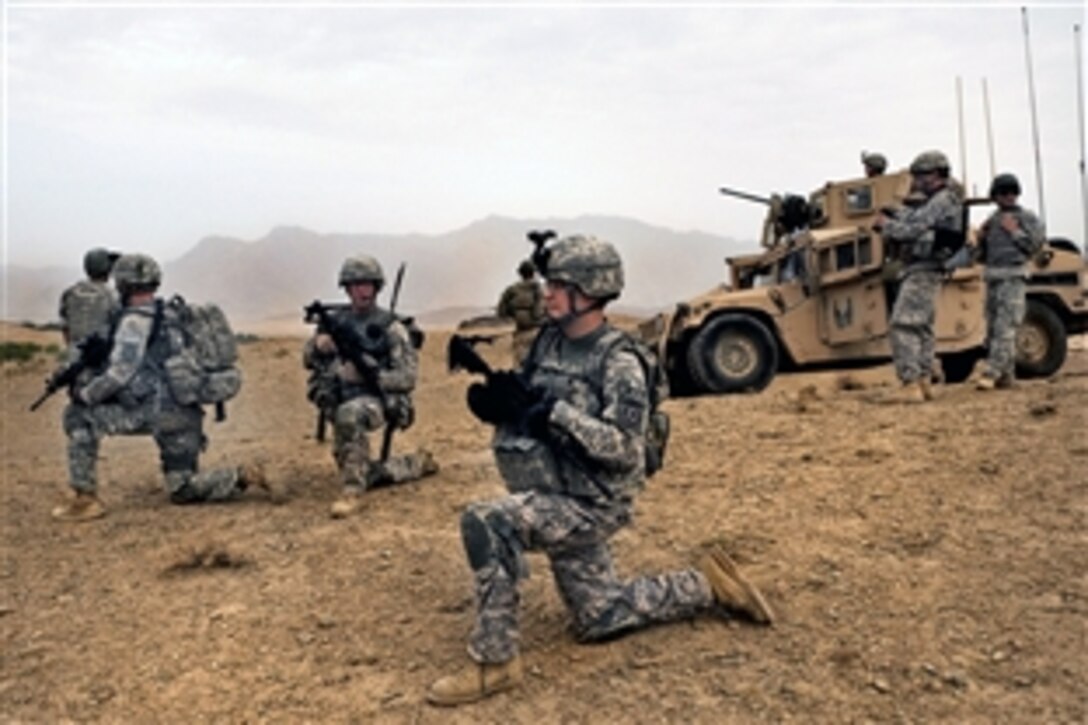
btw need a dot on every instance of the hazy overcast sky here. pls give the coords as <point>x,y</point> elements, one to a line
<point>150,125</point>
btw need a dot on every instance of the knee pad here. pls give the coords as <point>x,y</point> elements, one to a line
<point>477,540</point>
<point>488,538</point>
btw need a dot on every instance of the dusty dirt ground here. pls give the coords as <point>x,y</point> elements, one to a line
<point>927,563</point>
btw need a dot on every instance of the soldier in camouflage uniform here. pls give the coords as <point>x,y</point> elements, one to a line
<point>349,400</point>
<point>915,231</point>
<point>132,396</point>
<point>523,302</point>
<point>1008,239</point>
<point>87,306</point>
<point>569,443</point>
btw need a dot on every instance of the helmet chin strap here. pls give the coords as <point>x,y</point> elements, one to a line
<point>572,313</point>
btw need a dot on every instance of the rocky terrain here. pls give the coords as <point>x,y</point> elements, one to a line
<point>927,563</point>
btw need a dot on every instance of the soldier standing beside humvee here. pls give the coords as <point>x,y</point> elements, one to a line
<point>363,383</point>
<point>1008,239</point>
<point>920,233</point>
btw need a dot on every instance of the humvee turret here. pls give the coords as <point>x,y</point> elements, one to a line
<point>820,294</point>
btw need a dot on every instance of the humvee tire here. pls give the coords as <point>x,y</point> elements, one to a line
<point>1040,342</point>
<point>732,353</point>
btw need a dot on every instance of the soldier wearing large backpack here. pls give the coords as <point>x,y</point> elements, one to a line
<point>360,402</point>
<point>87,306</point>
<point>570,443</point>
<point>523,302</point>
<point>134,395</point>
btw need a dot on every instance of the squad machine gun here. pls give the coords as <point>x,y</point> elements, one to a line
<point>786,214</point>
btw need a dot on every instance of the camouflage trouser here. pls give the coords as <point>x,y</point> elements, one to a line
<point>521,344</point>
<point>1005,306</point>
<point>177,433</point>
<point>574,537</point>
<point>912,321</point>
<point>353,420</point>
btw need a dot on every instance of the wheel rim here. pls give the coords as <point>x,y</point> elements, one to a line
<point>1031,343</point>
<point>736,355</point>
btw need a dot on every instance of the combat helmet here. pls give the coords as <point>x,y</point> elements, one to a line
<point>135,272</point>
<point>98,262</point>
<point>526,269</point>
<point>362,268</point>
<point>1003,184</point>
<point>590,264</point>
<point>877,163</point>
<point>929,162</point>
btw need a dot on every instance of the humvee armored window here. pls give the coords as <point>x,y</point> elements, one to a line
<point>859,200</point>
<point>844,256</point>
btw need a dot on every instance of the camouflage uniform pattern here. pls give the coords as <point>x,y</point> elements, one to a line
<point>1006,255</point>
<point>132,397</point>
<point>569,495</point>
<point>86,308</point>
<point>913,314</point>
<point>357,411</point>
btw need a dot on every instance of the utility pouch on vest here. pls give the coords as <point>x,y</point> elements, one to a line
<point>220,385</point>
<point>185,378</point>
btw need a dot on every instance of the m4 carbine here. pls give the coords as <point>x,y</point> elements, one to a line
<point>93,352</point>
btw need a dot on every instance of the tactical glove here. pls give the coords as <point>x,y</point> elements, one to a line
<point>536,417</point>
<point>504,399</point>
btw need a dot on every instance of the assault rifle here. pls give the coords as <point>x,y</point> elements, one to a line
<point>94,350</point>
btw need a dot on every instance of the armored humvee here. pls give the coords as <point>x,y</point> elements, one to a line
<point>820,294</point>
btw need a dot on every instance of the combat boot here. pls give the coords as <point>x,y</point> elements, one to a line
<point>985,383</point>
<point>925,389</point>
<point>81,507</point>
<point>476,681</point>
<point>731,589</point>
<point>1004,382</point>
<point>350,501</point>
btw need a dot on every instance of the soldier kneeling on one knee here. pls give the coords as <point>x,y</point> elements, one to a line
<point>367,394</point>
<point>571,430</point>
<point>132,395</point>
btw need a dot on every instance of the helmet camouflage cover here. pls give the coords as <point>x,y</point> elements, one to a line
<point>928,162</point>
<point>136,270</point>
<point>361,268</point>
<point>97,262</point>
<point>590,264</point>
<point>874,161</point>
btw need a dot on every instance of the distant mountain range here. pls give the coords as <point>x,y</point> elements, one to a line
<point>450,274</point>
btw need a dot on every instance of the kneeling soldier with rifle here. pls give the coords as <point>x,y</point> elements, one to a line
<point>365,367</point>
<point>129,391</point>
<point>571,429</point>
